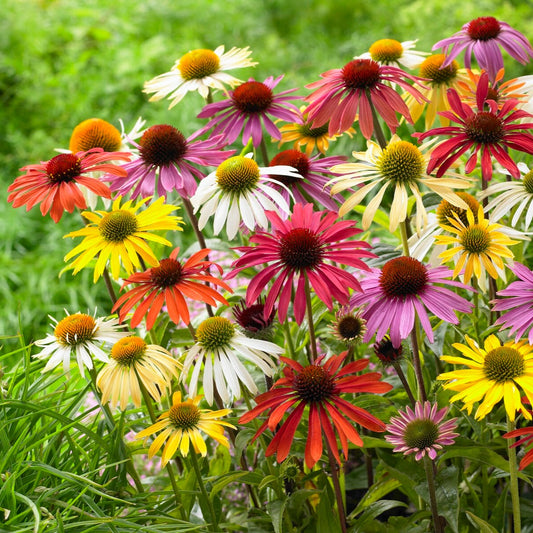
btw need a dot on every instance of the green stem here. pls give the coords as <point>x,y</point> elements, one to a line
<point>288,338</point>
<point>405,238</point>
<point>513,471</point>
<point>109,286</point>
<point>337,487</point>
<point>404,381</point>
<point>205,496</point>
<point>417,365</point>
<point>264,152</point>
<point>150,407</point>
<point>378,131</point>
<point>111,426</point>
<point>430,476</point>
<point>312,336</point>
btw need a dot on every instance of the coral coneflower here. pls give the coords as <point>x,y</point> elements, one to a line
<point>56,183</point>
<point>314,391</point>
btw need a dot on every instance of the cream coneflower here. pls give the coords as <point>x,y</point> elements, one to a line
<point>133,361</point>
<point>393,52</point>
<point>80,335</point>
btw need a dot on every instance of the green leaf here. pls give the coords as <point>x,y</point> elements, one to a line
<point>376,492</point>
<point>275,510</point>
<point>480,524</point>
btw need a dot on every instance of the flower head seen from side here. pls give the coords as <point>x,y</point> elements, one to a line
<point>80,335</point>
<point>516,302</point>
<point>304,135</point>
<point>495,371</point>
<point>315,392</point>
<point>315,174</point>
<point>482,37</point>
<point>184,424</point>
<point>387,353</point>
<point>514,197</point>
<point>401,166</point>
<point>170,284</point>
<point>438,81</point>
<point>478,246</point>
<point>199,70</point>
<point>220,348</point>
<point>526,435</point>
<point>393,52</point>
<point>249,107</point>
<point>240,191</point>
<point>422,431</point>
<point>488,131</point>
<point>344,95</point>
<point>403,289</point>
<point>297,251</point>
<point>252,321</point>
<point>133,361</point>
<point>165,163</point>
<point>55,184</point>
<point>120,236</point>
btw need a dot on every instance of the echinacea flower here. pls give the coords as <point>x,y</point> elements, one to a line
<point>133,362</point>
<point>401,165</point>
<point>315,174</point>
<point>252,321</point>
<point>387,353</point>
<point>249,108</point>
<point>165,163</point>
<point>95,133</point>
<point>170,284</point>
<point>80,335</point>
<point>479,246</point>
<point>349,326</point>
<point>184,424</point>
<point>495,371</point>
<point>527,437</point>
<point>483,37</point>
<point>350,93</point>
<point>422,431</point>
<point>199,70</point>
<point>404,289</point>
<point>393,52</point>
<point>220,348</point>
<point>120,235</point>
<point>304,135</point>
<point>514,197</point>
<point>298,250</point>
<point>438,80</point>
<point>490,131</point>
<point>56,183</point>
<point>517,304</point>
<point>314,392</point>
<point>240,191</point>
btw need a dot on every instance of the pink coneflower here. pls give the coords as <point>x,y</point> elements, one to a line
<point>489,130</point>
<point>56,183</point>
<point>319,387</point>
<point>315,172</point>
<point>343,94</point>
<point>405,288</point>
<point>248,108</point>
<point>165,161</point>
<point>519,307</point>
<point>421,431</point>
<point>483,37</point>
<point>298,249</point>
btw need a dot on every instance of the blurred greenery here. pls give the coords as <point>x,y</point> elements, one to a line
<point>62,61</point>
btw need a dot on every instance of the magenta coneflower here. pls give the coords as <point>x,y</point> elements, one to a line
<point>315,172</point>
<point>248,108</point>
<point>298,249</point>
<point>519,307</point>
<point>319,387</point>
<point>165,161</point>
<point>56,183</point>
<point>488,130</point>
<point>405,288</point>
<point>421,431</point>
<point>351,91</point>
<point>483,37</point>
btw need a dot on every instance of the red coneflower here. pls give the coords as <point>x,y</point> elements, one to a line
<point>316,390</point>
